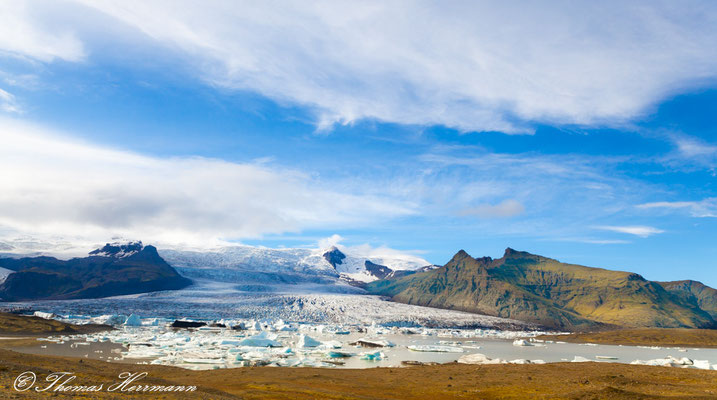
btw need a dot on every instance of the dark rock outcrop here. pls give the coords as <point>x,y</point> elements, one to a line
<point>334,256</point>
<point>111,271</point>
<point>187,324</point>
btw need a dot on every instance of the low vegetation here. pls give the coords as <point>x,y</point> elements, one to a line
<point>562,296</point>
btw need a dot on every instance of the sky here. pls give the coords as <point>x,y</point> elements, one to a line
<point>581,131</point>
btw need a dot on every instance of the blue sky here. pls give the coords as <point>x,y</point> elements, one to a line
<point>584,133</point>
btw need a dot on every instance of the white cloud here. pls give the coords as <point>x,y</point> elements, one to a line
<point>691,147</point>
<point>505,209</point>
<point>637,230</point>
<point>469,65</point>
<point>27,31</point>
<point>330,241</point>
<point>8,103</point>
<point>701,209</point>
<point>64,189</point>
<point>53,186</point>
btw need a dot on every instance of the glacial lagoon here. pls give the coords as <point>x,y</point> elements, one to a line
<point>321,330</point>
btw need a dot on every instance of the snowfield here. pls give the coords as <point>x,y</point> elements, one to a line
<point>250,265</point>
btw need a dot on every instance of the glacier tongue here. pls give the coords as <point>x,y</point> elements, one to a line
<point>265,269</point>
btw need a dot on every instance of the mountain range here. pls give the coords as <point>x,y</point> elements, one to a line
<point>115,269</point>
<point>330,269</point>
<point>545,291</point>
<point>519,285</point>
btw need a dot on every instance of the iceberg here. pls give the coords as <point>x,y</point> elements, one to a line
<point>581,359</point>
<point>436,349</point>
<point>373,356</point>
<point>44,315</point>
<point>133,320</point>
<point>263,339</point>
<point>521,343</point>
<point>368,342</point>
<point>339,354</point>
<point>307,341</point>
<point>478,358</point>
<point>668,361</point>
<point>115,319</point>
<point>701,364</point>
<point>332,344</point>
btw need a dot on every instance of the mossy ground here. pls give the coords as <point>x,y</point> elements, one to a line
<point>550,381</point>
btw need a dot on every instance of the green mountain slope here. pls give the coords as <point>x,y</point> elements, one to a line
<point>694,293</point>
<point>545,291</point>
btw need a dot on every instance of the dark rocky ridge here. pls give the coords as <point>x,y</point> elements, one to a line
<point>334,256</point>
<point>379,271</point>
<point>111,271</point>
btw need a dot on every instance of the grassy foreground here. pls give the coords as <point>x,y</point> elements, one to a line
<point>23,325</point>
<point>550,381</point>
<point>703,338</point>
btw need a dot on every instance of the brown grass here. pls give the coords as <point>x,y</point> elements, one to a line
<point>551,381</point>
<point>23,325</point>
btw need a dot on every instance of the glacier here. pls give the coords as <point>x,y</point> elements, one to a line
<point>261,269</point>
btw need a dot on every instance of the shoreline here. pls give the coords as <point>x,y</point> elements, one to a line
<point>663,337</point>
<point>557,380</point>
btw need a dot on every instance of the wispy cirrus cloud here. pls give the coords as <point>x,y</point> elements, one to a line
<point>706,208</point>
<point>636,230</point>
<point>8,103</point>
<point>472,66</point>
<point>28,30</point>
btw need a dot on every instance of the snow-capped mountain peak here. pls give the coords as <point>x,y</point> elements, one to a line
<point>261,268</point>
<point>118,249</point>
<point>334,256</point>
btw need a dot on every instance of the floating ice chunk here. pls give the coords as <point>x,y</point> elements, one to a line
<point>116,319</point>
<point>701,364</point>
<point>521,342</point>
<point>332,344</point>
<point>44,315</point>
<point>263,339</point>
<point>133,320</point>
<point>369,342</point>
<point>436,349</point>
<point>307,341</point>
<point>373,356</point>
<point>281,326</point>
<point>581,359</point>
<point>668,361</point>
<point>339,354</point>
<point>478,358</point>
<point>203,361</point>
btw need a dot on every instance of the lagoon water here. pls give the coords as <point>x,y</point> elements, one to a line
<point>206,343</point>
<point>308,314</point>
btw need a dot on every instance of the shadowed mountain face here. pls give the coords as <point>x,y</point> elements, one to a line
<point>694,293</point>
<point>537,289</point>
<point>110,271</point>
